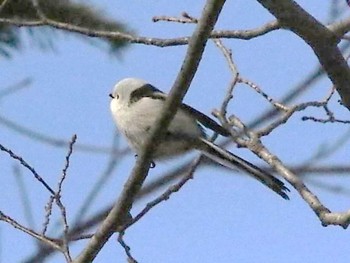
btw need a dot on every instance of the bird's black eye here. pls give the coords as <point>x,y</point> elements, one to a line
<point>116,96</point>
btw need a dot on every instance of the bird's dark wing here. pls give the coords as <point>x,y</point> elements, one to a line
<point>205,120</point>
<point>146,90</point>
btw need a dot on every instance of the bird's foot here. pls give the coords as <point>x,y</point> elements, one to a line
<point>152,164</point>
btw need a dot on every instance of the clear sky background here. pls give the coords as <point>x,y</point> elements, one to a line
<point>220,216</point>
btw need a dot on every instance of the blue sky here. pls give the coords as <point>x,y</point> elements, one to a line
<point>219,216</point>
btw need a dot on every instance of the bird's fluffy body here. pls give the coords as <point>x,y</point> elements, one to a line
<point>135,107</point>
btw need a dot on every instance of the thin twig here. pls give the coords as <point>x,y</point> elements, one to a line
<point>287,115</point>
<point>228,56</point>
<point>166,195</point>
<point>234,71</point>
<point>65,238</point>
<point>30,232</point>
<point>48,212</point>
<point>66,166</point>
<point>331,116</point>
<point>329,120</point>
<point>184,19</point>
<point>276,104</point>
<point>126,248</point>
<point>26,165</point>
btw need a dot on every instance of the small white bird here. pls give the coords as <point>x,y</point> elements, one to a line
<point>135,106</point>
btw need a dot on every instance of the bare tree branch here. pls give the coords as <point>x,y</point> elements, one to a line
<point>160,42</point>
<point>322,40</point>
<point>324,214</point>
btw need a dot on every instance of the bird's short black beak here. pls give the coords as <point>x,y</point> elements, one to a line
<point>110,95</point>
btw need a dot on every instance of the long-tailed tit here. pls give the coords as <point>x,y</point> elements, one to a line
<point>135,106</point>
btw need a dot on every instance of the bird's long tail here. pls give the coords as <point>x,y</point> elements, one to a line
<point>232,161</point>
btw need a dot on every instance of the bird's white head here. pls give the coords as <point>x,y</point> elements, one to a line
<point>122,91</point>
<point>125,87</point>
